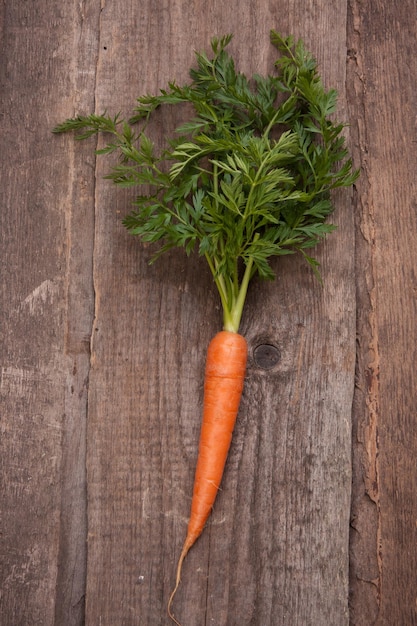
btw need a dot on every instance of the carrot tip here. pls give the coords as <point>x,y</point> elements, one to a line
<point>186,547</point>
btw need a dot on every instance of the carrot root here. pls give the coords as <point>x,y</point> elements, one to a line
<point>186,547</point>
<point>223,385</point>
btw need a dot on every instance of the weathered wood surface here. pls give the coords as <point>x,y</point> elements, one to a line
<point>383,108</point>
<point>102,356</point>
<point>47,299</point>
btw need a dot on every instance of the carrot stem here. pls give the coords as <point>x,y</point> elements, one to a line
<point>237,310</point>
<point>232,300</point>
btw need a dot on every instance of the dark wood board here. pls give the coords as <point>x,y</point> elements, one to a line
<point>382,94</point>
<point>102,355</point>
<point>47,305</point>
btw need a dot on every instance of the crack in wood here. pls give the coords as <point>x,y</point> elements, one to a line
<point>372,474</point>
<point>367,391</point>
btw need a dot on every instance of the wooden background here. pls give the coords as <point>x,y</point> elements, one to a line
<point>102,356</point>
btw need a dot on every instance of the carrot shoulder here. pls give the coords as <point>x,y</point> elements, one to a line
<point>223,385</point>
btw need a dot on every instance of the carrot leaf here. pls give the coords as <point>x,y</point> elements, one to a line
<point>248,177</point>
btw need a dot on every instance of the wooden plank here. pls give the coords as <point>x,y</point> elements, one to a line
<point>276,548</point>
<point>276,567</point>
<point>384,512</point>
<point>80,224</point>
<point>46,297</point>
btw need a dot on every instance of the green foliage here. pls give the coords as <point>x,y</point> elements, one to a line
<point>248,177</point>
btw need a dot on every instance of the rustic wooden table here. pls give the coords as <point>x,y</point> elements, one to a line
<point>102,356</point>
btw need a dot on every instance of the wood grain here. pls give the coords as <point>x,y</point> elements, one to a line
<point>46,304</point>
<point>276,548</point>
<point>384,508</point>
<point>102,355</point>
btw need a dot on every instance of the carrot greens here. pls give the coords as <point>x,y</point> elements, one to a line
<point>247,178</point>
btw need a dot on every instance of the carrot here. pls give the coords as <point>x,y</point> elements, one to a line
<point>223,385</point>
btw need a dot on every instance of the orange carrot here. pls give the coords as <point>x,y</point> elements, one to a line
<point>223,385</point>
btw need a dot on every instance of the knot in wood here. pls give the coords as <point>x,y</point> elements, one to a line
<point>266,356</point>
